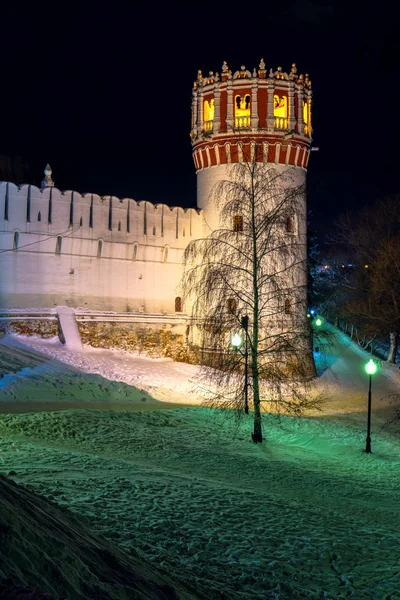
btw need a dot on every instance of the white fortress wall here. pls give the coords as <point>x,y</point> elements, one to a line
<point>101,264</point>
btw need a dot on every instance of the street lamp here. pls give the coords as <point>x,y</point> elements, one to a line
<point>371,369</point>
<point>236,342</point>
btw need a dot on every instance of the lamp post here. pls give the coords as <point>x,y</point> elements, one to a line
<point>371,369</point>
<point>236,341</point>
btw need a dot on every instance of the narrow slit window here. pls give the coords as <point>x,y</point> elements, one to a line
<point>231,305</point>
<point>154,231</point>
<point>178,304</point>
<point>134,255</point>
<point>238,223</point>
<point>289,225</point>
<point>288,307</point>
<point>58,245</point>
<point>91,213</point>
<point>39,217</point>
<point>99,248</point>
<point>165,254</point>
<point>119,225</point>
<point>16,240</point>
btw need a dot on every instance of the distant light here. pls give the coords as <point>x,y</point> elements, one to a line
<point>326,267</point>
<point>308,315</point>
<point>371,367</point>
<point>318,322</point>
<point>342,266</point>
<point>236,340</point>
<point>366,266</point>
<point>312,311</point>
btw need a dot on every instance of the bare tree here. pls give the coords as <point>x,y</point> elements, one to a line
<point>372,284</point>
<point>249,275</point>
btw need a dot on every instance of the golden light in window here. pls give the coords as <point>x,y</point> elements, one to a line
<point>280,112</point>
<point>209,110</point>
<point>242,111</point>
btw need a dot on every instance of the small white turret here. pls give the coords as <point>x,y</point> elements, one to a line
<point>47,181</point>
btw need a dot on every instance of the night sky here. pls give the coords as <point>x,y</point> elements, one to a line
<point>104,94</point>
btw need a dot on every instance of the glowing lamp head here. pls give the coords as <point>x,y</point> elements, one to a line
<point>371,367</point>
<point>236,340</point>
<point>318,322</point>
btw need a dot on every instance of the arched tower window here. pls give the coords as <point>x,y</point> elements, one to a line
<point>99,248</point>
<point>135,251</point>
<point>288,307</point>
<point>165,254</point>
<point>231,305</point>
<point>242,111</point>
<point>307,117</point>
<point>280,112</point>
<point>289,225</point>
<point>58,245</point>
<point>39,216</point>
<point>238,223</point>
<point>208,114</point>
<point>16,240</point>
<point>178,304</point>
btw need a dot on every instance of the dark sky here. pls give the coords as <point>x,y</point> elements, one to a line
<point>104,93</point>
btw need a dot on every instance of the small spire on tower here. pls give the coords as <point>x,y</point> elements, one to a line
<point>225,71</point>
<point>47,181</point>
<point>261,69</point>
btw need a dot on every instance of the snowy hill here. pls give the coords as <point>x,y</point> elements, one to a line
<point>56,550</point>
<point>306,514</point>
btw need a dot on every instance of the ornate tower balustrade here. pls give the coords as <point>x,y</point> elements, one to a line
<point>271,108</point>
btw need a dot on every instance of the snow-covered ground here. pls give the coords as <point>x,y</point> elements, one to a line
<point>307,514</point>
<point>155,378</point>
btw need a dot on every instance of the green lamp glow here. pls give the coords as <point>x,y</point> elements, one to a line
<point>371,367</point>
<point>318,322</point>
<point>236,340</point>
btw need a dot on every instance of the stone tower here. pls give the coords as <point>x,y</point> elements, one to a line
<point>272,109</point>
<point>269,110</point>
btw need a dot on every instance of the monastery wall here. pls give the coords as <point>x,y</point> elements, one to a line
<point>103,253</point>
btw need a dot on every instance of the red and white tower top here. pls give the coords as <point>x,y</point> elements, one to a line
<point>231,112</point>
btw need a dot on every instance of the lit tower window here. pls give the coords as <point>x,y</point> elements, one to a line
<point>242,111</point>
<point>307,117</point>
<point>208,114</point>
<point>280,112</point>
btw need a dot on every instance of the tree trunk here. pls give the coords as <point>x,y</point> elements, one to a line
<point>257,433</point>
<point>393,347</point>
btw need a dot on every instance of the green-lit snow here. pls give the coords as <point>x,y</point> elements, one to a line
<point>303,515</point>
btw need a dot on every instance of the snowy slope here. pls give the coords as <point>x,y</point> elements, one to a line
<point>53,548</point>
<point>305,515</point>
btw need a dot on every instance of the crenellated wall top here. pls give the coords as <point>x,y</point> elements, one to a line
<point>261,73</point>
<point>30,209</point>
